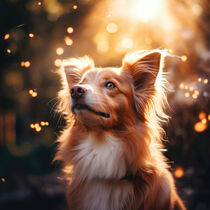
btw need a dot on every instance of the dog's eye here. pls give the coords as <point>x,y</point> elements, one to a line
<point>110,85</point>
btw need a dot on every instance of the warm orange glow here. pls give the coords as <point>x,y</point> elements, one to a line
<point>22,63</point>
<point>34,94</point>
<point>199,79</point>
<point>146,10</point>
<point>181,86</point>
<point>179,172</point>
<point>196,92</point>
<point>75,6</point>
<point>112,28</point>
<point>57,62</point>
<point>39,3</point>
<point>3,179</point>
<point>127,43</point>
<point>68,40</point>
<point>202,115</point>
<point>209,117</point>
<point>70,30</point>
<point>46,123</point>
<point>194,96</point>
<point>32,126</point>
<point>204,121</point>
<point>8,51</point>
<point>31,35</point>
<point>184,58</point>
<point>36,125</point>
<point>205,81</point>
<point>186,87</point>
<point>6,36</point>
<point>200,127</point>
<point>38,129</point>
<point>30,91</point>
<point>42,123</point>
<point>60,51</point>
<point>187,94</point>
<point>27,64</point>
<point>191,88</point>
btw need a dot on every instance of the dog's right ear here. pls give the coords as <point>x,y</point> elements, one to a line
<point>74,69</point>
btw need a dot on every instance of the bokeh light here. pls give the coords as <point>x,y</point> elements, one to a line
<point>70,30</point>
<point>59,51</point>
<point>179,172</point>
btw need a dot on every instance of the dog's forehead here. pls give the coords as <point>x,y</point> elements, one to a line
<point>102,73</point>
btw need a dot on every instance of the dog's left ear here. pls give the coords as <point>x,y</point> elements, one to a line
<point>143,68</point>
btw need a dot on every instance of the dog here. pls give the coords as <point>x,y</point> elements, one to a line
<point>111,147</point>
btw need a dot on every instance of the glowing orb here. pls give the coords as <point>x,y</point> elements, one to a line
<point>112,28</point>
<point>60,51</point>
<point>6,36</point>
<point>70,30</point>
<point>179,172</point>
<point>200,127</point>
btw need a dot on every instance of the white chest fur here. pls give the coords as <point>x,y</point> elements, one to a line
<point>103,160</point>
<point>97,163</point>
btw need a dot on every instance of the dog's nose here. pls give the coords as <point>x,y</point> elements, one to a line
<point>77,91</point>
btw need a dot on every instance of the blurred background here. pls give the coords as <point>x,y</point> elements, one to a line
<point>34,38</point>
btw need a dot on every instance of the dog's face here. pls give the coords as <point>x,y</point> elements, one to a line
<point>109,97</point>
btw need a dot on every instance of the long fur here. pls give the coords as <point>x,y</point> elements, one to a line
<point>117,163</point>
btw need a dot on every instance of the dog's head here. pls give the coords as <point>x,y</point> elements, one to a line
<point>111,97</point>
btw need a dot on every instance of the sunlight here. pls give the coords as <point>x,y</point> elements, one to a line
<point>145,10</point>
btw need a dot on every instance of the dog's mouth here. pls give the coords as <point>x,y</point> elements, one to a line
<point>86,107</point>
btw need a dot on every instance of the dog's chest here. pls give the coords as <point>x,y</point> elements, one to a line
<point>103,160</point>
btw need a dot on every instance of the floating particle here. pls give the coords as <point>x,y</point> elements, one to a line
<point>27,64</point>
<point>200,127</point>
<point>39,3</point>
<point>179,172</point>
<point>209,117</point>
<point>202,115</point>
<point>191,88</point>
<point>8,51</point>
<point>205,81</point>
<point>187,94</point>
<point>75,7</point>
<point>3,179</point>
<point>181,86</point>
<point>32,126</point>
<point>58,62</point>
<point>6,36</point>
<point>70,30</point>
<point>127,43</point>
<point>38,129</point>
<point>31,35</point>
<point>34,94</point>
<point>42,123</point>
<point>36,125</point>
<point>196,92</point>
<point>184,58</point>
<point>22,63</point>
<point>59,51</point>
<point>68,40</point>
<point>199,79</point>
<point>30,91</point>
<point>112,27</point>
<point>46,123</point>
<point>204,121</point>
<point>194,95</point>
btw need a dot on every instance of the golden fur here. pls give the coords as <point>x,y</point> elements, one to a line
<point>116,162</point>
